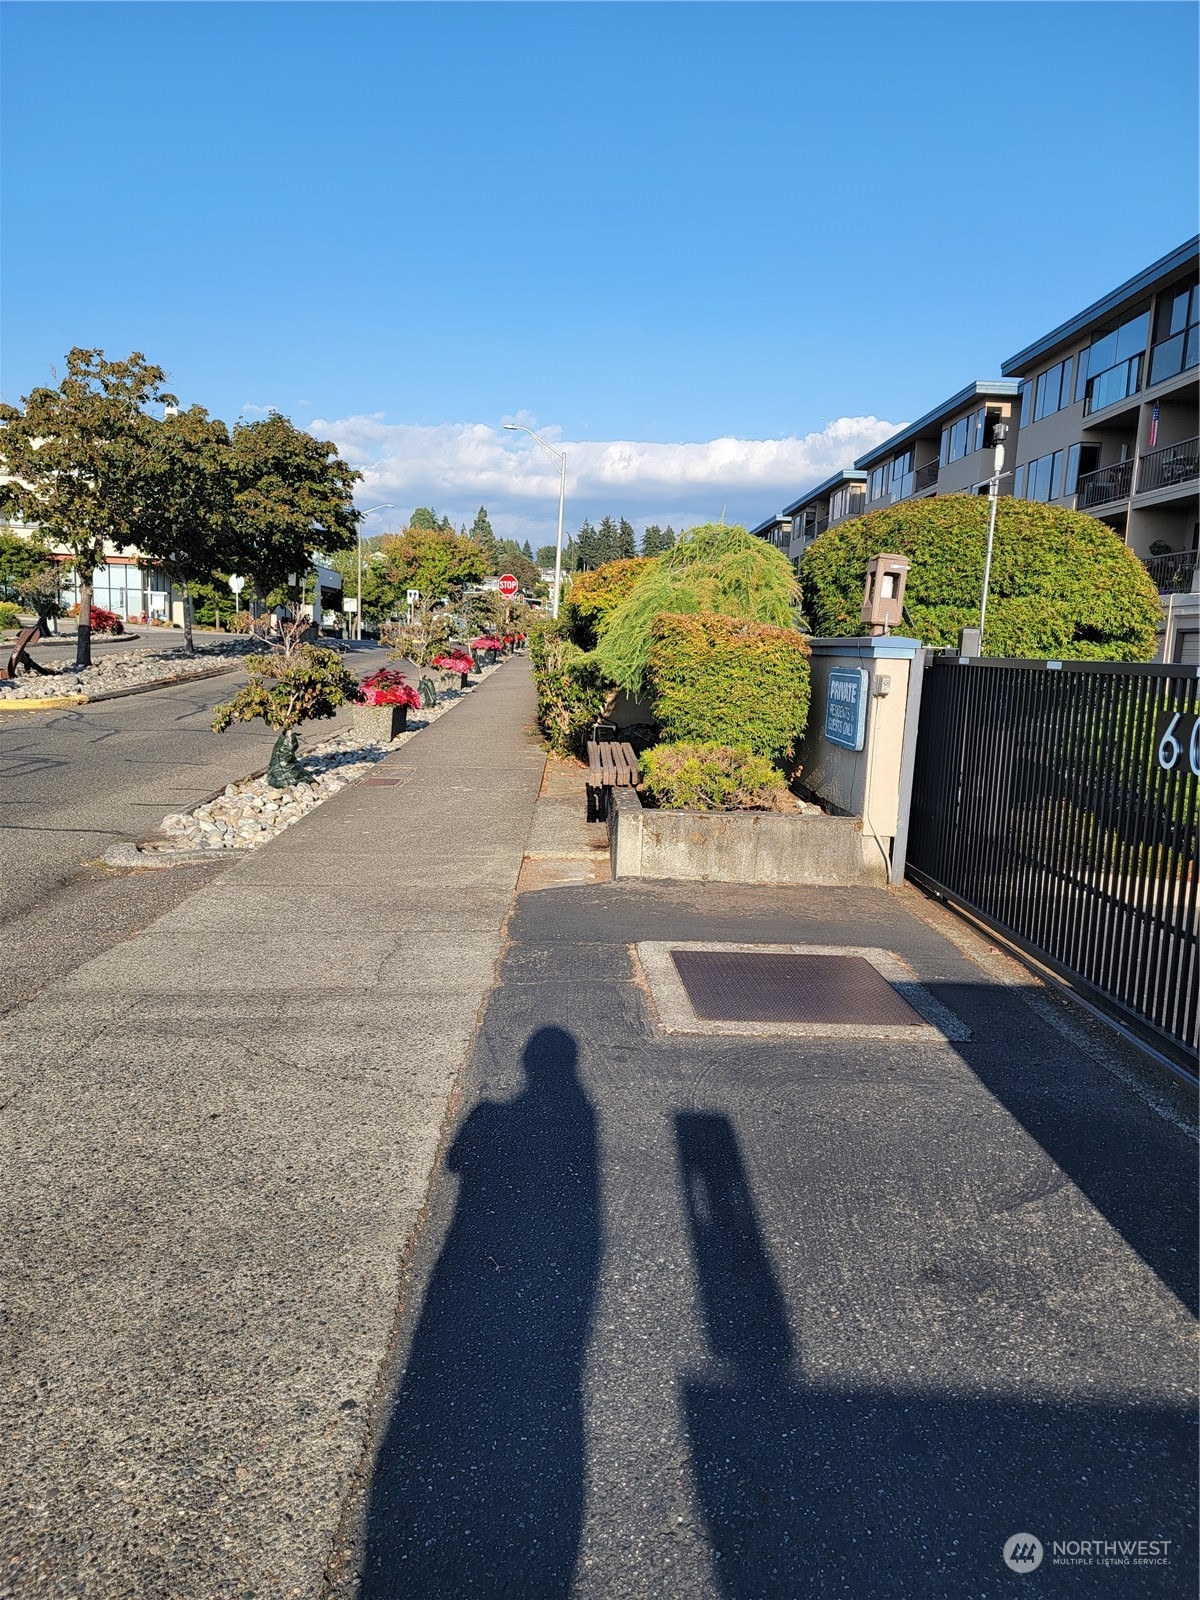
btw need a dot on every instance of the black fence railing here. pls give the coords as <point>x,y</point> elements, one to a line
<point>1172,574</point>
<point>1106,483</point>
<point>925,477</point>
<point>1059,805</point>
<point>1170,466</point>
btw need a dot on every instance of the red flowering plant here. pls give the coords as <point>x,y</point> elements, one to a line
<point>458,662</point>
<point>487,641</point>
<point>384,688</point>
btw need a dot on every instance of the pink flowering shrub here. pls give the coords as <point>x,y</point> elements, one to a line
<point>454,663</point>
<point>384,688</point>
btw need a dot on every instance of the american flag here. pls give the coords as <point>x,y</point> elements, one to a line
<point>1153,427</point>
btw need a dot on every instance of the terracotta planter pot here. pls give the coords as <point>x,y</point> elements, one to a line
<point>380,723</point>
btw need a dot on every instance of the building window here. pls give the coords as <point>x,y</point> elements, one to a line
<point>1081,459</point>
<point>964,437</point>
<point>1027,402</point>
<point>1052,392</point>
<point>1177,336</point>
<point>845,502</point>
<point>1110,369</point>
<point>877,485</point>
<point>1039,479</point>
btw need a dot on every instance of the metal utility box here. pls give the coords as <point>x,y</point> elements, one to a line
<point>883,593</point>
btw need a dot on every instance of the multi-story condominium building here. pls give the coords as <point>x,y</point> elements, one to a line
<point>775,530</point>
<point>831,502</point>
<point>947,451</point>
<point>1109,414</point>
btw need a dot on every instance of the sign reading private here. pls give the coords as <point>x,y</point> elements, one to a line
<point>846,707</point>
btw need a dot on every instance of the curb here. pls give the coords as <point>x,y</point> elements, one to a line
<point>46,702</point>
<point>54,702</point>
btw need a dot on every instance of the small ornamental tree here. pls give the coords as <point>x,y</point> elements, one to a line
<point>714,568</point>
<point>1062,586</point>
<point>71,462</point>
<point>286,689</point>
<point>723,680</point>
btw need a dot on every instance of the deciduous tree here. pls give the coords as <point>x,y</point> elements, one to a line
<point>185,517</point>
<point>73,458</point>
<point>292,498</point>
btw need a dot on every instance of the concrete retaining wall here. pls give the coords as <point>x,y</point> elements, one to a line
<point>739,847</point>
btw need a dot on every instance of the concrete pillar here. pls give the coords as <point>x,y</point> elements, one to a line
<point>853,755</point>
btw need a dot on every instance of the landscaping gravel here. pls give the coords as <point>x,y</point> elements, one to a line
<point>129,669</point>
<point>250,812</point>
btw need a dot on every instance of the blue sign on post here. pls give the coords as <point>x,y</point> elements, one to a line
<point>846,707</point>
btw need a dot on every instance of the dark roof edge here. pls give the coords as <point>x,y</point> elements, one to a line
<point>1100,308</point>
<point>981,389</point>
<point>845,476</point>
<point>768,522</point>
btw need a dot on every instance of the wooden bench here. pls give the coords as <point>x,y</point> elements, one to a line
<point>610,765</point>
<point>19,655</point>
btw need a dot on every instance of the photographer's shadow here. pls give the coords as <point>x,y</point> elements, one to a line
<point>478,1487</point>
<point>826,1488</point>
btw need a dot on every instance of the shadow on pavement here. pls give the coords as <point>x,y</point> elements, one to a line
<point>811,1490</point>
<point>478,1487</point>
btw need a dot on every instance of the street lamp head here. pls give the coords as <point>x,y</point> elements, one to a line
<point>513,427</point>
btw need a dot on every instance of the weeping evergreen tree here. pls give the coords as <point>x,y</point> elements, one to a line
<point>711,568</point>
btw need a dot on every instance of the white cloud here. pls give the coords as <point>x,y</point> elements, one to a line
<point>456,467</point>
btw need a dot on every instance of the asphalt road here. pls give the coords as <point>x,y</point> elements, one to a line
<point>73,782</point>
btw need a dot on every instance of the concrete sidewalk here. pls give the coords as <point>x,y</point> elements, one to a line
<point>722,1318</point>
<point>215,1142</point>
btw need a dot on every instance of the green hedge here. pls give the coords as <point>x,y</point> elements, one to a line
<point>711,777</point>
<point>10,614</point>
<point>571,693</point>
<point>1063,585</point>
<point>724,680</point>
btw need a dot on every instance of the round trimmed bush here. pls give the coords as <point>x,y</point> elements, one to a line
<point>721,679</point>
<point>1063,585</point>
<point>711,777</point>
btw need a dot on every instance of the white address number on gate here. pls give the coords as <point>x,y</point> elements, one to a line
<point>1170,749</point>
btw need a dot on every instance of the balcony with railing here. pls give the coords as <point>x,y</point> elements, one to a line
<point>925,477</point>
<point>1169,467</point>
<point>1105,484</point>
<point>1174,573</point>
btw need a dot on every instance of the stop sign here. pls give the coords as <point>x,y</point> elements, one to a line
<point>509,586</point>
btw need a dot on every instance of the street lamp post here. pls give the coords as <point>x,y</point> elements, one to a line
<point>999,434</point>
<point>561,457</point>
<point>386,506</point>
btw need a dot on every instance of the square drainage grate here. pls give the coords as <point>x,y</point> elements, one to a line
<point>737,986</point>
<point>791,991</point>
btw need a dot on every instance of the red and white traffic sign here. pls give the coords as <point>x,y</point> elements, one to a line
<point>509,586</point>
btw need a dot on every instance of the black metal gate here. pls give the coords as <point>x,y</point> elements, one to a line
<point>1059,804</point>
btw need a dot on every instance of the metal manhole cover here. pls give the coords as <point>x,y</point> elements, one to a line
<point>726,986</point>
<point>793,991</point>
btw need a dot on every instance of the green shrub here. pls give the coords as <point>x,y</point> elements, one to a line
<point>711,569</point>
<point>571,694</point>
<point>735,683</point>
<point>594,596</point>
<point>1063,585</point>
<point>711,777</point>
<point>10,614</point>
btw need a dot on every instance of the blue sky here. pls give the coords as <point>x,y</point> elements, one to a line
<point>713,250</point>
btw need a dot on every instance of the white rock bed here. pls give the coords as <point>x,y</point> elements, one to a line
<point>128,669</point>
<point>251,812</point>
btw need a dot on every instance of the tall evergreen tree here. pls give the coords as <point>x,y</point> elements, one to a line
<point>482,535</point>
<point>527,550</point>
<point>607,541</point>
<point>423,517</point>
<point>587,550</point>
<point>626,541</point>
<point>652,540</point>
